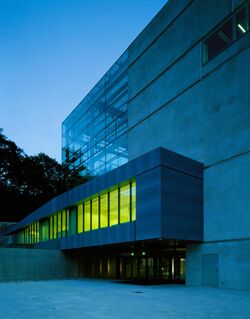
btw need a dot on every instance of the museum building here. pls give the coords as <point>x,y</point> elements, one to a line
<point>165,135</point>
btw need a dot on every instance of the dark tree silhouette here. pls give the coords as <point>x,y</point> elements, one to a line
<point>27,182</point>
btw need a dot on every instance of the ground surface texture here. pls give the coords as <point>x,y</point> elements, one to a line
<point>106,299</point>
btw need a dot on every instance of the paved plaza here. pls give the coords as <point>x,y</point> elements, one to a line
<point>104,299</point>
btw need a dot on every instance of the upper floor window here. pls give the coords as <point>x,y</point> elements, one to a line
<point>241,22</point>
<point>230,30</point>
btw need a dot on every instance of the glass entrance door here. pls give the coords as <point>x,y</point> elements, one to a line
<point>166,268</point>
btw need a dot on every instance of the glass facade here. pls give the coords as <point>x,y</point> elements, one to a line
<point>94,135</point>
<point>108,208</point>
<point>230,30</point>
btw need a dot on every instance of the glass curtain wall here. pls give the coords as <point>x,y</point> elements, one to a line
<point>94,135</point>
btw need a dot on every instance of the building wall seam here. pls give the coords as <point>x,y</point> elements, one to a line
<point>168,103</point>
<point>159,35</point>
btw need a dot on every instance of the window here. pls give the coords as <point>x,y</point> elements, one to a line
<point>95,213</point>
<point>80,218</point>
<point>55,226</point>
<point>235,27</point>
<point>125,204</point>
<point>101,210</point>
<point>51,227</point>
<point>59,224</point>
<point>67,222</point>
<point>87,216</point>
<point>44,230</point>
<point>64,223</point>
<point>133,200</point>
<point>217,41</point>
<point>72,221</point>
<point>37,232</point>
<point>241,22</point>
<point>113,207</point>
<point>104,210</point>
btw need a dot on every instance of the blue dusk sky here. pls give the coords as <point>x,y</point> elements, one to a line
<point>52,52</point>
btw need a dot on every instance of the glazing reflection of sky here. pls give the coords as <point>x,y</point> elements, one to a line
<point>52,52</point>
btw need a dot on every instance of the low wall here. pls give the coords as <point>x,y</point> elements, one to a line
<point>35,264</point>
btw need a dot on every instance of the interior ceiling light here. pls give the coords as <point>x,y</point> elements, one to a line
<point>241,28</point>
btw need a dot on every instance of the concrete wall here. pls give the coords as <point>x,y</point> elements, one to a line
<point>35,264</point>
<point>200,111</point>
<point>233,263</point>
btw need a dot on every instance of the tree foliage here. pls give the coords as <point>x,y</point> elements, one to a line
<point>27,182</point>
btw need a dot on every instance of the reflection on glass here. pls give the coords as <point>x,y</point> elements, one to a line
<point>104,210</point>
<point>80,218</point>
<point>125,204</point>
<point>87,216</point>
<point>97,122</point>
<point>133,199</point>
<point>113,207</point>
<point>95,213</point>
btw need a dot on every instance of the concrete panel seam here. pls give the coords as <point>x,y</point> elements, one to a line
<point>227,159</point>
<point>159,35</point>
<point>186,89</point>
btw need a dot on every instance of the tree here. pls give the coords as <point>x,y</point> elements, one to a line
<point>27,182</point>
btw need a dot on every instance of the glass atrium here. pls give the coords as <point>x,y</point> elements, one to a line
<point>94,135</point>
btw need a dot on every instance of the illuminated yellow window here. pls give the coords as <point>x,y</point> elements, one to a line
<point>55,227</point>
<point>37,232</point>
<point>95,213</point>
<point>80,218</point>
<point>64,227</point>
<point>67,222</point>
<point>113,207</point>
<point>34,233</point>
<point>59,225</point>
<point>30,235</point>
<point>104,210</point>
<point>125,204</point>
<point>87,216</point>
<point>51,227</point>
<point>133,192</point>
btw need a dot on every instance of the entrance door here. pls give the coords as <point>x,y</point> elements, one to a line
<point>209,269</point>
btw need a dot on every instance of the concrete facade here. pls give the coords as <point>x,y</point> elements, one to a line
<point>203,112</point>
<point>22,264</point>
<point>195,109</point>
